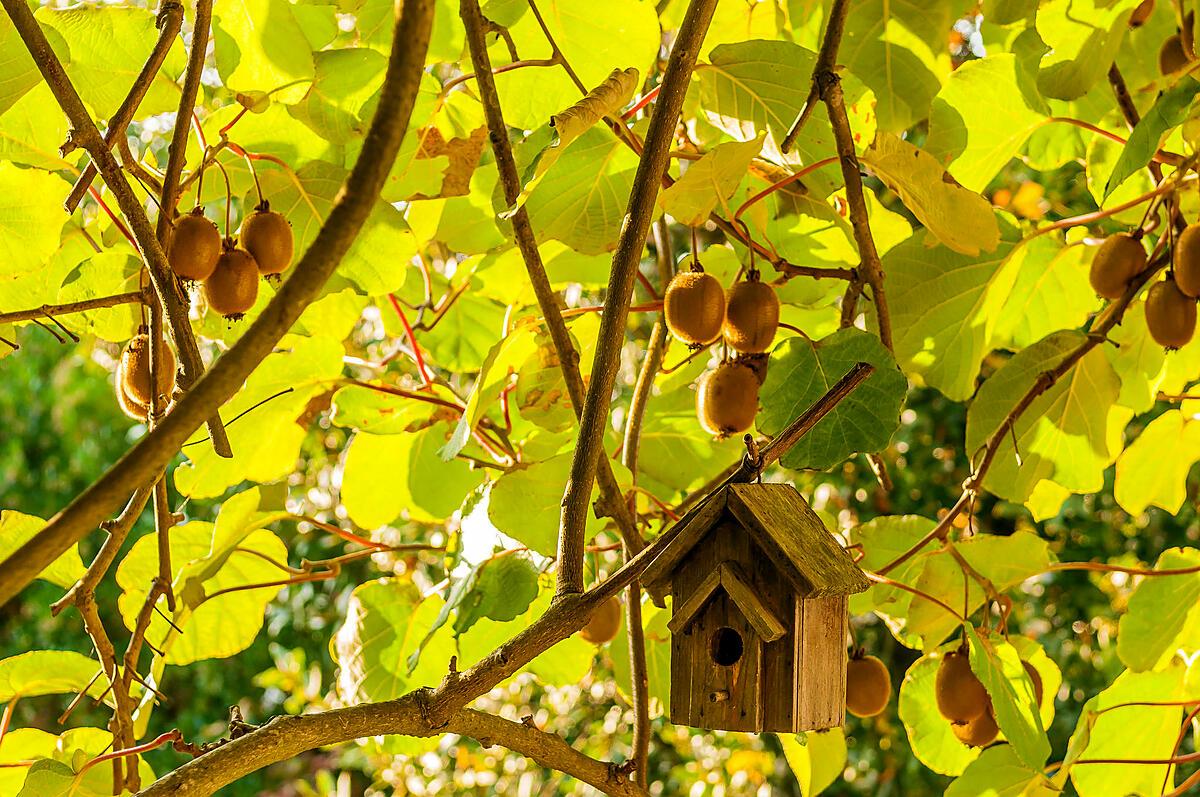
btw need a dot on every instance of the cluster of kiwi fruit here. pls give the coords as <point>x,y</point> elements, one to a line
<point>229,268</point>
<point>699,312</point>
<point>604,623</point>
<point>964,701</point>
<point>1170,302</point>
<point>868,685</point>
<point>134,387</point>
<point>1179,49</point>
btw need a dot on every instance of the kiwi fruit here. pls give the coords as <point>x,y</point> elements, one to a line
<point>1170,314</point>
<point>756,363</point>
<point>602,626</point>
<point>1036,678</point>
<point>267,236</point>
<point>694,306</point>
<point>979,732</point>
<point>751,316</point>
<point>130,406</point>
<point>868,686</point>
<point>195,247</point>
<point>134,371</point>
<point>1141,15</point>
<point>1121,258</point>
<point>1187,35</point>
<point>1187,260</point>
<point>727,400</point>
<point>1171,56</point>
<point>961,696</point>
<point>232,288</point>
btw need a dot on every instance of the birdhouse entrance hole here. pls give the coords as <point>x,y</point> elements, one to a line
<point>725,647</point>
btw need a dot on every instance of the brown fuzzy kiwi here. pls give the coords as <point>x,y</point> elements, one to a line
<point>868,686</point>
<point>129,405</point>
<point>1121,258</point>
<point>694,306</point>
<point>1170,314</point>
<point>961,696</point>
<point>267,235</point>
<point>1036,678</point>
<point>727,400</point>
<point>979,732</point>
<point>603,625</point>
<point>134,370</point>
<point>1141,15</point>
<point>1187,260</point>
<point>751,316</point>
<point>232,288</point>
<point>195,246</point>
<point>1171,56</point>
<point>756,363</point>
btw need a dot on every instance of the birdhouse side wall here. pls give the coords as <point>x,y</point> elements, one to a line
<point>820,644</point>
<point>764,689</point>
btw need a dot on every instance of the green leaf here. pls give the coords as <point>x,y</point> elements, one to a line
<point>1168,112</point>
<point>998,666</point>
<point>501,589</point>
<point>31,219</point>
<point>525,502</point>
<point>998,772</point>
<point>108,46</point>
<point>266,440</point>
<point>18,71</point>
<point>959,218</point>
<point>103,274</point>
<point>817,759</point>
<point>1153,470</point>
<point>17,528</point>
<point>385,475</point>
<point>932,740</point>
<point>982,117</point>
<point>898,48</point>
<point>658,657</point>
<point>801,372</point>
<point>1051,292</point>
<point>32,130</point>
<point>257,46</point>
<point>385,621</point>
<point>1132,732</point>
<point>344,82</point>
<point>1069,434</point>
<point>367,410</point>
<point>945,308</point>
<point>50,672</point>
<point>883,540</point>
<point>709,182</point>
<point>1084,37</point>
<point>1159,609</point>
<point>1139,361</point>
<point>756,87</point>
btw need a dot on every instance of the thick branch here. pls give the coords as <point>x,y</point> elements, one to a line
<point>434,710</point>
<point>356,199</point>
<point>651,167</point>
<point>84,133</point>
<point>51,310</point>
<point>560,337</point>
<point>170,19</point>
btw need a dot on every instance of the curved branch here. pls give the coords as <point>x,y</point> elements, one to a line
<point>51,310</point>
<point>651,167</point>
<point>356,199</point>
<point>286,737</point>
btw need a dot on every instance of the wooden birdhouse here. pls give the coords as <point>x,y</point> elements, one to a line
<point>759,589</point>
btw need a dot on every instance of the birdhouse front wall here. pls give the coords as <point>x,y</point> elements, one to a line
<point>723,675</point>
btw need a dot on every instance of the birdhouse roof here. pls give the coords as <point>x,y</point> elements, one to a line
<point>786,528</point>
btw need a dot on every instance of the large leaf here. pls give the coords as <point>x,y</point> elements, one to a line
<point>802,371</point>
<point>981,118</point>
<point>18,71</point>
<point>1083,37</point>
<point>50,672</point>
<point>526,502</point>
<point>945,308</point>
<point>709,182</point>
<point>817,758</point>
<point>1169,111</point>
<point>1051,292</point>
<point>1159,609</point>
<point>1153,470</point>
<point>956,216</point>
<point>260,46</point>
<point>32,130</point>
<point>997,665</point>
<point>31,219</point>
<point>929,733</point>
<point>1069,434</point>
<point>998,772</point>
<point>17,528</point>
<point>345,80</point>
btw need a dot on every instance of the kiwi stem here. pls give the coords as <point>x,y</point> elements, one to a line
<point>791,178</point>
<point>262,203</point>
<point>228,199</point>
<point>1159,156</point>
<point>412,341</point>
<point>645,100</point>
<point>499,70</point>
<point>116,220</point>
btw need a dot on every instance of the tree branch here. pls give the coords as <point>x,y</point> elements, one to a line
<point>169,21</point>
<point>84,133</point>
<point>651,167</point>
<point>356,199</point>
<point>51,310</point>
<point>429,711</point>
<point>568,358</point>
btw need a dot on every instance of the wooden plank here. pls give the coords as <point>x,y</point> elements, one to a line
<point>821,670</point>
<point>684,612</point>
<point>795,539</point>
<point>768,626</point>
<point>725,697</point>
<point>688,532</point>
